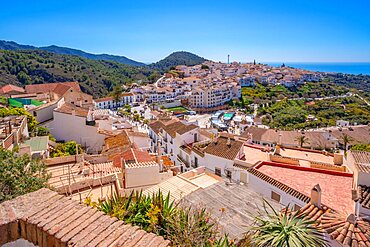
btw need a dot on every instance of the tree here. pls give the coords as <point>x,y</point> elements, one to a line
<point>20,175</point>
<point>117,94</point>
<point>154,77</point>
<point>346,139</point>
<point>302,140</point>
<point>286,230</point>
<point>66,149</point>
<point>204,66</point>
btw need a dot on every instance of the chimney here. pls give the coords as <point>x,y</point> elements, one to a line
<point>277,149</point>
<point>316,196</point>
<point>228,143</point>
<point>279,140</point>
<point>161,165</point>
<point>338,159</point>
<point>351,219</point>
<point>73,112</point>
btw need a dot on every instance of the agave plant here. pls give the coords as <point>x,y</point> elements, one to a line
<point>286,229</point>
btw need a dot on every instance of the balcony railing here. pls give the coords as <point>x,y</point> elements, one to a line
<point>193,164</point>
<point>182,160</point>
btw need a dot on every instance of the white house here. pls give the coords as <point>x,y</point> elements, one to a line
<point>109,102</point>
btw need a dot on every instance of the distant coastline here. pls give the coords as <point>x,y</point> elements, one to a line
<point>355,68</point>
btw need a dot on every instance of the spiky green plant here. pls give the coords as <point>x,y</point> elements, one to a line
<point>157,213</point>
<point>286,229</point>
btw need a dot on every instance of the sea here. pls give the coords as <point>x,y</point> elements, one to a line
<point>338,67</point>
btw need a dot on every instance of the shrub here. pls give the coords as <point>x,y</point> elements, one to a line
<point>20,175</point>
<point>183,226</point>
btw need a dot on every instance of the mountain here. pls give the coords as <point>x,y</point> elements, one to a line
<point>96,77</point>
<point>10,45</point>
<point>177,58</point>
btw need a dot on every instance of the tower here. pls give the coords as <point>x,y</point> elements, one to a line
<point>228,59</point>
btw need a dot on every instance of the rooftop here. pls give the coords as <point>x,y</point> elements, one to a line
<point>178,127</point>
<point>346,230</point>
<point>38,143</point>
<point>58,219</point>
<point>336,186</point>
<point>224,147</point>
<point>306,154</point>
<point>71,109</point>
<point>364,196</point>
<point>233,206</point>
<point>362,160</point>
<point>49,87</point>
<point>9,88</point>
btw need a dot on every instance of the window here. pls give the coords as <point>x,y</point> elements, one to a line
<point>275,196</point>
<point>228,174</point>
<point>218,171</point>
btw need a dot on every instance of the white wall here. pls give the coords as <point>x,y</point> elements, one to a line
<point>66,127</point>
<point>141,176</point>
<point>142,142</point>
<point>264,188</point>
<point>45,113</point>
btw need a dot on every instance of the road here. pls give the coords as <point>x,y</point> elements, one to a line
<point>156,83</point>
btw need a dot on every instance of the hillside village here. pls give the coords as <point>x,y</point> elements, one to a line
<point>201,152</point>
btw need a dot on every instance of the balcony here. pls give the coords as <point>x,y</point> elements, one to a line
<point>183,161</point>
<point>193,164</point>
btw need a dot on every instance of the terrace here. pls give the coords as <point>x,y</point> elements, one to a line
<point>336,186</point>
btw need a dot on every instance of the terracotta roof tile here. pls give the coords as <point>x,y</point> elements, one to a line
<point>68,108</point>
<point>227,148</point>
<point>362,160</point>
<point>9,88</point>
<point>364,192</point>
<point>46,218</point>
<point>49,87</point>
<point>336,186</point>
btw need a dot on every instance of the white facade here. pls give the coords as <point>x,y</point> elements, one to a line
<point>109,102</point>
<point>69,127</point>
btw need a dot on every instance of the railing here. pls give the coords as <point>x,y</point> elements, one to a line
<point>182,160</point>
<point>193,164</point>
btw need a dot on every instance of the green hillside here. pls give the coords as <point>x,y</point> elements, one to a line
<point>177,58</point>
<point>11,45</point>
<point>96,77</point>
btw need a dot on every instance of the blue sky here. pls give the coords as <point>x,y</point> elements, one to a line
<point>265,30</point>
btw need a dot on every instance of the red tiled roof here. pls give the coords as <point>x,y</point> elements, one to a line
<point>364,195</point>
<point>61,89</point>
<point>362,160</point>
<point>49,87</point>
<point>8,88</point>
<point>132,155</point>
<point>345,230</point>
<point>68,108</point>
<point>47,219</point>
<point>221,148</point>
<point>336,186</point>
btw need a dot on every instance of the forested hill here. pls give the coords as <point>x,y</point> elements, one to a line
<point>10,45</point>
<point>96,77</point>
<point>177,58</point>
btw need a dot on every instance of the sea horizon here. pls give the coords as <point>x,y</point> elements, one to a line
<point>355,68</point>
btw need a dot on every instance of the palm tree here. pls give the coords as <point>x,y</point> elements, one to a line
<point>302,140</point>
<point>286,230</point>
<point>346,139</point>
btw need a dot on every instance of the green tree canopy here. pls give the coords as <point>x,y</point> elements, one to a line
<point>66,149</point>
<point>20,175</point>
